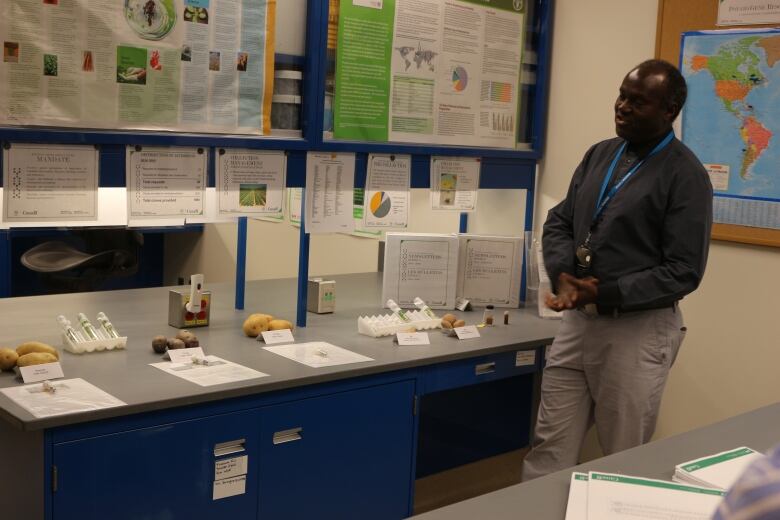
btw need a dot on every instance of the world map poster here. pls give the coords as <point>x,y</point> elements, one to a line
<point>731,120</point>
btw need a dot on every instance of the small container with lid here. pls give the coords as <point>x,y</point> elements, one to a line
<point>487,316</point>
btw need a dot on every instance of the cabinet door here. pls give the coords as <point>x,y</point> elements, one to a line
<point>165,472</point>
<point>341,456</point>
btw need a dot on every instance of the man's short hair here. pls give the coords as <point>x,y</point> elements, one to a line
<point>676,89</point>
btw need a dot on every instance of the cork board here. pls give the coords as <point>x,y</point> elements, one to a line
<point>674,18</point>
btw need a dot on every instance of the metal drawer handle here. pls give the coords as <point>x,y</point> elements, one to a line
<point>293,434</point>
<point>485,368</point>
<point>226,448</point>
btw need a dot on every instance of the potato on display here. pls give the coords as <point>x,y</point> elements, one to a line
<point>175,343</point>
<point>449,318</point>
<point>160,344</point>
<point>189,339</point>
<point>36,346</point>
<point>8,357</point>
<point>458,323</point>
<point>256,323</point>
<point>279,325</point>
<point>35,358</point>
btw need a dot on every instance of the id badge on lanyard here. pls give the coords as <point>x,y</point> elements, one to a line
<point>584,253</point>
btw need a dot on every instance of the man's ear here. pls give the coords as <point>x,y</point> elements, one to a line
<point>672,111</point>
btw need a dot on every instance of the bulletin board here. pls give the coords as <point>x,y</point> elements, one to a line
<point>674,18</point>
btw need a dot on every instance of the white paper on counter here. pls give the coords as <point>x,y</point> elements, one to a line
<point>420,265</point>
<point>577,506</point>
<point>387,196</point>
<point>250,182</point>
<point>454,183</point>
<point>220,372</point>
<point>71,396</point>
<point>318,354</point>
<point>490,269</point>
<point>616,497</point>
<point>165,182</point>
<point>330,180</point>
<point>49,182</point>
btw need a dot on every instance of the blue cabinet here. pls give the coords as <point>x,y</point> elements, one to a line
<point>164,472</point>
<point>342,456</point>
<point>344,453</point>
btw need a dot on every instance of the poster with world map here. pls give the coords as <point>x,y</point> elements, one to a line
<point>731,120</point>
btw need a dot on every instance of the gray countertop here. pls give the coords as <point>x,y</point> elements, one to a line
<point>545,498</point>
<point>141,314</point>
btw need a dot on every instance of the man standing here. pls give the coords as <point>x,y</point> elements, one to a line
<point>626,244</point>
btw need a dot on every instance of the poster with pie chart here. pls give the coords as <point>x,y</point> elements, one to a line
<point>460,79</point>
<point>386,204</point>
<point>380,204</point>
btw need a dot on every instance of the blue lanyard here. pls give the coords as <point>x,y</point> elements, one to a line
<point>603,201</point>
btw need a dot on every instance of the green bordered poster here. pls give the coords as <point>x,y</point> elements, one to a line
<point>429,71</point>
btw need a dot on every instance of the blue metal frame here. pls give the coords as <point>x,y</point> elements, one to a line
<point>501,168</point>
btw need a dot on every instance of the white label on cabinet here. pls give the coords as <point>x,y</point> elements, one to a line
<point>525,358</point>
<point>232,467</point>
<point>229,487</point>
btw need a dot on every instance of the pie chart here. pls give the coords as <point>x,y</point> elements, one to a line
<point>460,79</point>
<point>380,204</point>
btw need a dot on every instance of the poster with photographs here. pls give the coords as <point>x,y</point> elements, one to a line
<point>177,65</point>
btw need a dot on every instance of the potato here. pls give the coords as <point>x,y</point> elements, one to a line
<point>190,340</point>
<point>8,357</point>
<point>175,343</point>
<point>279,325</point>
<point>160,344</point>
<point>458,323</point>
<point>36,346</point>
<point>35,358</point>
<point>185,336</point>
<point>446,324</point>
<point>449,317</point>
<point>255,324</point>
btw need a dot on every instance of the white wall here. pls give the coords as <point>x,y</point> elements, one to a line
<point>728,363</point>
<point>272,248</point>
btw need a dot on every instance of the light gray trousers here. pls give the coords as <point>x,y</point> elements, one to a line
<point>603,369</point>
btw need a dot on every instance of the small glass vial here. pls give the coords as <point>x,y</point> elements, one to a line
<point>420,304</point>
<point>107,326</point>
<point>87,327</point>
<point>487,316</point>
<point>67,329</point>
<point>398,311</point>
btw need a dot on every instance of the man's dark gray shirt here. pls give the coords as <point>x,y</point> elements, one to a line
<point>650,245</point>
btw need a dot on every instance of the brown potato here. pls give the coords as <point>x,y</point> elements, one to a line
<point>160,344</point>
<point>255,324</point>
<point>175,343</point>
<point>449,317</point>
<point>36,346</point>
<point>186,336</point>
<point>35,358</point>
<point>446,324</point>
<point>279,325</point>
<point>8,357</point>
<point>458,323</point>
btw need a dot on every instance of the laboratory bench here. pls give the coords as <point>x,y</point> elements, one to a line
<point>341,442</point>
<point>546,497</point>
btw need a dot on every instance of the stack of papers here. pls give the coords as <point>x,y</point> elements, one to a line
<point>718,471</point>
<point>607,496</point>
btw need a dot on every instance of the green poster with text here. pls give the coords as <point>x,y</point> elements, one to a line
<point>361,103</point>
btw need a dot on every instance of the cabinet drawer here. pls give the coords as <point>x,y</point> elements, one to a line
<point>480,369</point>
